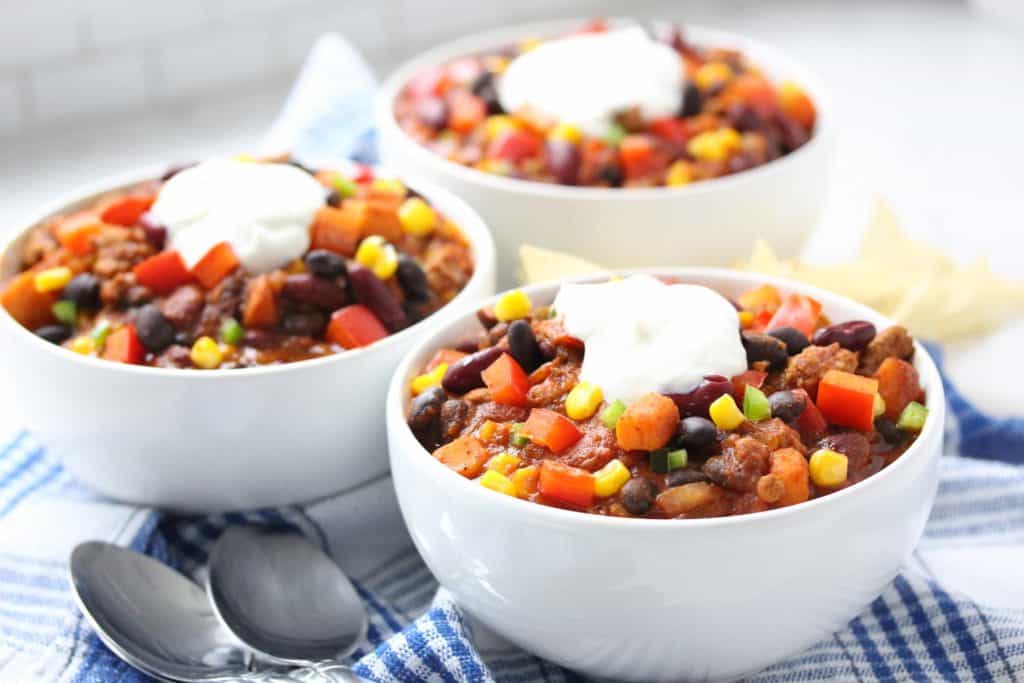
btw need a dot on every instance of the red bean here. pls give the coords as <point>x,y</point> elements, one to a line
<point>315,291</point>
<point>432,112</point>
<point>464,374</point>
<point>854,335</point>
<point>370,291</point>
<point>260,339</point>
<point>156,234</point>
<point>698,401</point>
<point>563,161</point>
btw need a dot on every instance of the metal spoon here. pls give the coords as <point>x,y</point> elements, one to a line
<point>160,622</point>
<point>285,598</point>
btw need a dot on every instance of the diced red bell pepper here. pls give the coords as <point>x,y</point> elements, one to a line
<point>594,26</point>
<point>565,484</point>
<point>847,399</point>
<point>514,146</point>
<point>123,346</point>
<point>449,356</point>
<point>551,430</point>
<point>127,210</point>
<point>507,381</point>
<point>355,326</point>
<point>798,311</point>
<point>76,232</point>
<point>640,157</point>
<point>217,263</point>
<point>811,424</point>
<point>671,129</point>
<point>362,173</point>
<point>465,111</point>
<point>163,272</point>
<point>754,378</point>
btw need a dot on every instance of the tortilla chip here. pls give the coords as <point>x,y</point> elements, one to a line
<point>539,265</point>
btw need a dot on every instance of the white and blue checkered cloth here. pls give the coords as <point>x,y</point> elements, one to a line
<point>955,613</point>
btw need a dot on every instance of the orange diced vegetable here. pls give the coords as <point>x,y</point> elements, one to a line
<point>25,303</point>
<point>163,272</point>
<point>552,430</point>
<point>123,346</point>
<point>754,91</point>
<point>448,356</point>
<point>565,484</point>
<point>898,384</point>
<point>355,326</point>
<point>127,210</point>
<point>339,230</point>
<point>795,103</point>
<point>847,399</point>
<point>754,378</point>
<point>466,455</point>
<point>763,298</point>
<point>790,467</point>
<point>217,263</point>
<point>382,218</point>
<point>507,381</point>
<point>799,311</point>
<point>465,111</point>
<point>639,157</point>
<point>76,232</point>
<point>648,423</point>
<point>260,304</point>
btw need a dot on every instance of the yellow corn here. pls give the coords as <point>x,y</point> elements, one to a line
<point>84,345</point>
<point>725,414</point>
<point>370,251</point>
<point>879,405</point>
<point>513,306</point>
<point>495,63</point>
<point>525,480</point>
<point>417,217</point>
<point>497,124</point>
<point>583,400</point>
<point>714,145</point>
<point>566,132</point>
<point>52,279</point>
<point>206,354</point>
<point>712,74</point>
<point>494,166</point>
<point>610,478</point>
<point>505,463</point>
<point>387,264</point>
<point>428,380</point>
<point>496,481</point>
<point>247,158</point>
<point>828,468</point>
<point>746,318</point>
<point>487,430</point>
<point>679,173</point>
<point>529,44</point>
<point>389,186</point>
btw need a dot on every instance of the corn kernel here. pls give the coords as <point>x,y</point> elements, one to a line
<point>206,354</point>
<point>746,318</point>
<point>505,463</point>
<point>496,481</point>
<point>495,63</point>
<point>417,217</point>
<point>828,468</point>
<point>497,124</point>
<point>583,400</point>
<point>513,306</point>
<point>494,166</point>
<point>566,132</point>
<point>246,158</point>
<point>487,430</point>
<point>84,345</point>
<point>715,145</point>
<point>389,186</point>
<point>525,480</point>
<point>610,478</point>
<point>428,380</point>
<point>529,44</point>
<point>387,264</point>
<point>712,74</point>
<point>879,407</point>
<point>679,173</point>
<point>52,279</point>
<point>725,414</point>
<point>370,251</point>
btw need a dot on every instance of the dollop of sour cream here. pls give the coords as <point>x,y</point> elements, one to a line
<point>587,79</point>
<point>643,335</point>
<point>264,211</point>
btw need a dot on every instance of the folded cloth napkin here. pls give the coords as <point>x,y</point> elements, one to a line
<point>955,613</point>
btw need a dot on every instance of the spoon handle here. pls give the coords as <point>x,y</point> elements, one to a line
<point>321,672</point>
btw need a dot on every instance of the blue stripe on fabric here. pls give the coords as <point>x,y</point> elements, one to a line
<point>418,641</point>
<point>467,660</point>
<point>379,607</point>
<point>924,629</point>
<point>13,444</point>
<point>389,658</point>
<point>964,640</point>
<point>865,642</point>
<point>27,491</point>
<point>177,542</point>
<point>895,637</point>
<point>23,466</point>
<point>13,577</point>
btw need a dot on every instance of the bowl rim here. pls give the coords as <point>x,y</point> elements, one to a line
<point>404,443</point>
<point>767,54</point>
<point>471,224</point>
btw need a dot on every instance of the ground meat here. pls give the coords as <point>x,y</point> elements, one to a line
<point>448,267</point>
<point>174,356</point>
<point>182,307</point>
<point>119,249</point>
<point>123,290</point>
<point>891,342</point>
<point>39,243</point>
<point>743,461</point>
<point>806,369</point>
<point>454,418</point>
<point>774,434</point>
<point>593,451</point>
<point>223,301</point>
<point>562,377</point>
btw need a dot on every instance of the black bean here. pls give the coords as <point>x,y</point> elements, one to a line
<point>433,113</point>
<point>176,169</point>
<point>522,345</point>
<point>684,476</point>
<point>696,402</point>
<point>304,323</point>
<point>416,311</point>
<point>412,278</point>
<point>484,88</point>
<point>302,167</point>
<point>372,292</point>
<point>611,174</point>
<point>315,291</point>
<point>563,161</point>
<point>793,338</point>
<point>787,405</point>
<point>695,433</point>
<point>325,263</point>
<point>464,374</point>
<point>155,331</point>
<point>55,334</point>
<point>691,103</point>
<point>83,290</point>
<point>156,234</point>
<point>333,199</point>
<point>426,409</point>
<point>763,347</point>
<point>638,494</point>
<point>889,430</point>
<point>854,335</point>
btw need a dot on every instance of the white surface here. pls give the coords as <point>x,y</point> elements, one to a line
<point>745,591</point>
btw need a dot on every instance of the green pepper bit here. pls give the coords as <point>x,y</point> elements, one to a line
<point>65,311</point>
<point>610,416</point>
<point>231,332</point>
<point>516,437</point>
<point>913,416</point>
<point>100,333</point>
<point>664,461</point>
<point>755,404</point>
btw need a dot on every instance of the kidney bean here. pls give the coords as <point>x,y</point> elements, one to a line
<point>668,33</point>
<point>690,106</point>
<point>741,162</point>
<point>55,334</point>
<point>563,161</point>
<point>412,278</point>
<point>426,410</point>
<point>83,290</point>
<point>464,374</point>
<point>155,233</point>
<point>182,307</point>
<point>372,292</point>
<point>638,494</point>
<point>853,445</point>
<point>522,345</point>
<point>432,113</point>
<point>696,402</point>
<point>854,335</point>
<point>155,331</point>
<point>794,339</point>
<point>315,291</point>
<point>469,343</point>
<point>743,117</point>
<point>763,347</point>
<point>684,476</point>
<point>260,339</point>
<point>787,405</point>
<point>547,349</point>
<point>304,323</point>
<point>486,317</point>
<point>793,135</point>
<point>325,263</point>
<point>695,433</point>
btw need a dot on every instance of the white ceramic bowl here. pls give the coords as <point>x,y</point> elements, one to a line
<point>709,223</point>
<point>217,439</point>
<point>664,600</point>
